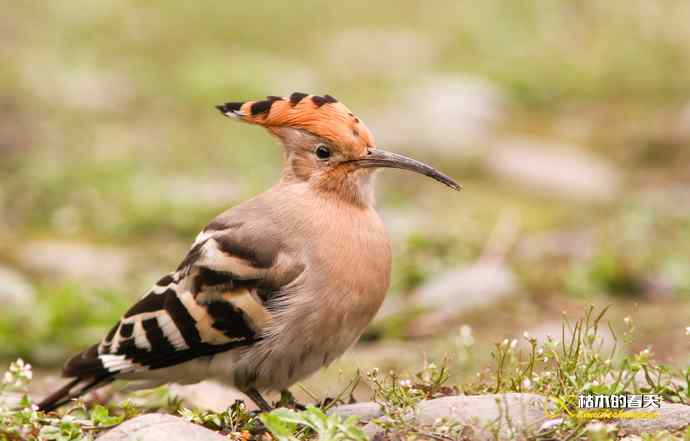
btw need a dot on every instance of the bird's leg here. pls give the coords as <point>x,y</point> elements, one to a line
<point>258,400</point>
<point>288,400</point>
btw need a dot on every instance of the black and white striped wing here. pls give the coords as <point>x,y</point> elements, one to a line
<point>210,304</point>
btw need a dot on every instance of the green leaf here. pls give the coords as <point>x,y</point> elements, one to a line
<point>101,417</point>
<point>280,428</point>
<point>282,424</point>
<point>288,416</point>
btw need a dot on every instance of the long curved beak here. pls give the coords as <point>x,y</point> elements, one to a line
<point>377,158</point>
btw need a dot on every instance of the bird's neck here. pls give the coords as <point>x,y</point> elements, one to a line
<point>355,188</point>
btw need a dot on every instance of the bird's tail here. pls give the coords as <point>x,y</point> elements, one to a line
<point>70,391</point>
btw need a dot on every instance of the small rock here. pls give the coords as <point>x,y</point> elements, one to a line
<point>460,291</point>
<point>210,395</point>
<point>502,414</point>
<point>671,417</point>
<point>15,289</point>
<point>160,427</point>
<point>524,409</point>
<point>450,115</point>
<point>487,414</point>
<point>556,170</point>
<point>464,289</point>
<point>78,261</point>
<point>511,411</point>
<point>365,411</point>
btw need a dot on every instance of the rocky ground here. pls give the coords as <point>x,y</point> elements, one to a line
<point>568,125</point>
<point>487,417</point>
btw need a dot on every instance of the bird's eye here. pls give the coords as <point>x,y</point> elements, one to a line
<point>323,152</point>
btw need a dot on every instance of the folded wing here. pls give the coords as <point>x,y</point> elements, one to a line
<point>210,304</point>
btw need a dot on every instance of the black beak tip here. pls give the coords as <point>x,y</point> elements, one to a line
<point>221,108</point>
<point>452,184</point>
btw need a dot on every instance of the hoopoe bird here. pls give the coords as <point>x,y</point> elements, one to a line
<point>272,289</point>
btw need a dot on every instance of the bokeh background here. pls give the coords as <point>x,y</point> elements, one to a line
<point>568,124</point>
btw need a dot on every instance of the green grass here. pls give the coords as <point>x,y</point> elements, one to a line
<point>62,321</point>
<point>559,369</point>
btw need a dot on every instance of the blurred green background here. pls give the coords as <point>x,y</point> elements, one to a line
<point>568,124</point>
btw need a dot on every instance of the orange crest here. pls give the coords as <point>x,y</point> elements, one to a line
<point>323,116</point>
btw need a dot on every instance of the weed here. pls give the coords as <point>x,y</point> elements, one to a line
<point>288,425</point>
<point>577,362</point>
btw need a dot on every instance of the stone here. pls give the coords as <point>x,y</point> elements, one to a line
<point>525,410</point>
<point>210,395</point>
<point>160,427</point>
<point>76,261</point>
<point>364,411</point>
<point>466,288</point>
<point>554,169</point>
<point>460,291</point>
<point>449,115</point>
<point>490,417</point>
<point>502,415</point>
<point>15,290</point>
<point>671,417</point>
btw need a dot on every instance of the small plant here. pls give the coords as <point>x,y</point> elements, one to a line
<point>235,420</point>
<point>576,362</point>
<point>398,396</point>
<point>21,420</point>
<point>579,362</point>
<point>289,425</point>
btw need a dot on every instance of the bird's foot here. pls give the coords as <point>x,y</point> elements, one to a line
<point>288,400</point>
<point>326,402</point>
<point>258,400</point>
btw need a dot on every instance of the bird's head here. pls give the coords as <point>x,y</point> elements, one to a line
<point>326,145</point>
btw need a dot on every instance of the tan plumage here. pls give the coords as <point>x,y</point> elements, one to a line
<point>276,287</point>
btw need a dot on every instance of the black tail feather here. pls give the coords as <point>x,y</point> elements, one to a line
<point>66,393</point>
